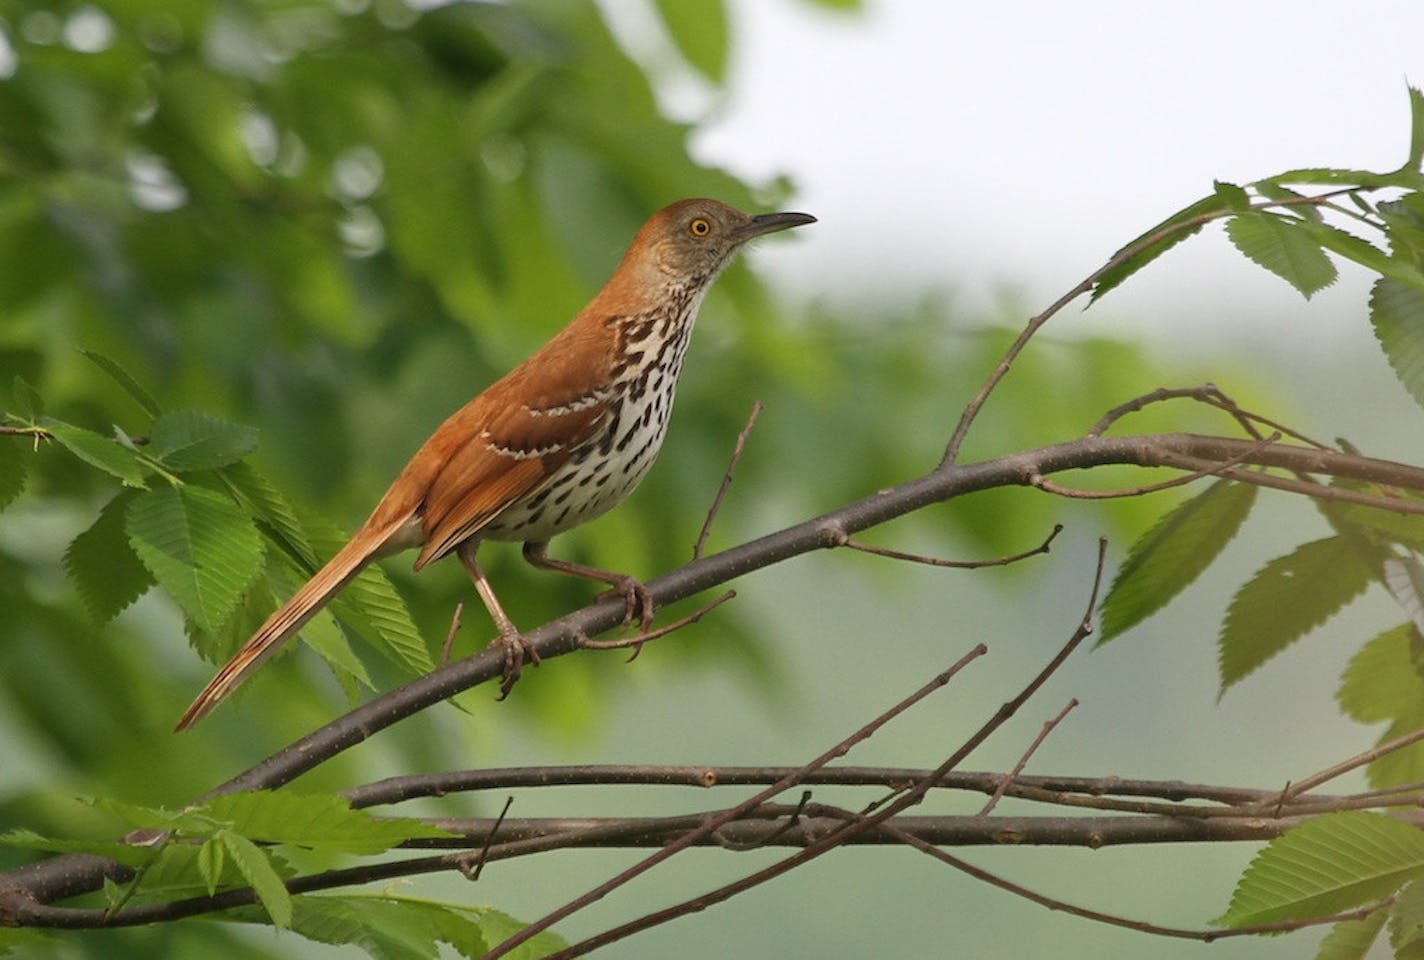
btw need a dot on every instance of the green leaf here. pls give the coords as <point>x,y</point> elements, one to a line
<point>201,548</point>
<point>1406,922</point>
<point>1285,600</point>
<point>211,858</point>
<point>28,402</point>
<point>1352,939</point>
<point>700,31</point>
<point>1404,576</point>
<point>126,853</point>
<point>275,516</point>
<point>259,873</point>
<point>1174,230</point>
<point>1173,553</point>
<point>1234,196</point>
<point>315,821</point>
<point>372,606</point>
<point>102,565</point>
<point>95,450</point>
<point>1385,677</point>
<point>1327,864</point>
<point>186,440</point>
<point>1397,314</point>
<point>12,470</point>
<point>393,928</point>
<point>1416,130</point>
<point>1283,248</point>
<point>14,938</point>
<point>121,376</point>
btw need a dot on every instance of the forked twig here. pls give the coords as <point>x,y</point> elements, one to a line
<point>1048,486</point>
<point>726,480</point>
<point>637,642</point>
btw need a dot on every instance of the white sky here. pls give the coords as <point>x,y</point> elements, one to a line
<point>973,146</point>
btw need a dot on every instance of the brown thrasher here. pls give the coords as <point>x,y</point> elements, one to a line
<point>557,441</point>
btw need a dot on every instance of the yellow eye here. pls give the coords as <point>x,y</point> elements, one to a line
<point>699,227</point>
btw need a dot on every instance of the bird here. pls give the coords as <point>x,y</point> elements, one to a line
<point>557,441</point>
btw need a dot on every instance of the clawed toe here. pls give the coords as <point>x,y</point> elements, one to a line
<point>516,651</point>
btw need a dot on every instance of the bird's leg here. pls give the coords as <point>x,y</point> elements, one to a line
<point>636,596</point>
<point>516,648</point>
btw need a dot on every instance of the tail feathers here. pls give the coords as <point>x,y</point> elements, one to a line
<point>288,619</point>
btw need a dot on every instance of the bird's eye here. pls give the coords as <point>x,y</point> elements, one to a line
<point>699,227</point>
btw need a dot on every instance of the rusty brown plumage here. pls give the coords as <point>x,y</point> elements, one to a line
<point>554,443</point>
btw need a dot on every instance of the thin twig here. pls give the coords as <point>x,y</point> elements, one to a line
<point>1048,486</point>
<point>1308,488</point>
<point>1013,774</point>
<point>637,642</point>
<point>1052,903</point>
<point>1211,395</point>
<point>472,872</point>
<point>450,634</point>
<point>726,480</point>
<point>1345,766</point>
<point>846,541</point>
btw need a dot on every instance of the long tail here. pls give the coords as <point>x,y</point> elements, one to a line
<point>366,545</point>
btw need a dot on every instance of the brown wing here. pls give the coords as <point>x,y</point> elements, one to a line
<point>502,445</point>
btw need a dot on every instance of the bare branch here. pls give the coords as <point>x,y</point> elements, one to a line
<point>1042,548</point>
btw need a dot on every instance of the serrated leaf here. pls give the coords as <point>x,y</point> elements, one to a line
<point>1167,558</point>
<point>1416,130</point>
<point>1233,195</point>
<point>186,440</point>
<point>1285,600</point>
<point>700,32</point>
<point>1282,247</point>
<point>102,565</point>
<point>316,821</point>
<point>259,873</point>
<point>96,450</point>
<point>371,604</point>
<point>1406,921</point>
<point>1352,939</point>
<point>1207,207</point>
<point>391,928</point>
<point>121,376</point>
<point>274,514</point>
<point>12,473</point>
<point>1397,315</point>
<point>1327,864</point>
<point>1383,679</point>
<point>202,549</point>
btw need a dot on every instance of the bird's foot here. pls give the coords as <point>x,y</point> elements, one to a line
<point>636,599</point>
<point>516,651</point>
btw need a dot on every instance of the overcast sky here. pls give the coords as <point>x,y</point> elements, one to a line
<point>973,146</point>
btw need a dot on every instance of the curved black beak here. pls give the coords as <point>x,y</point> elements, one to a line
<point>764,223</point>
